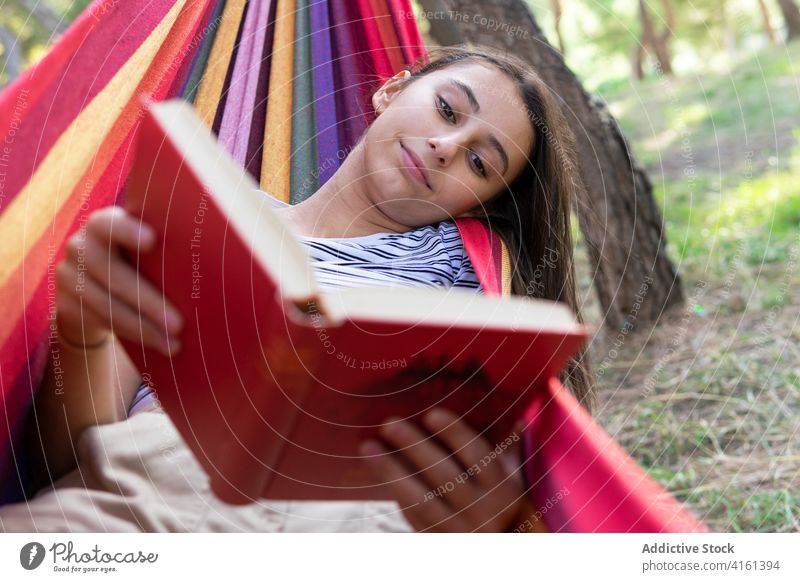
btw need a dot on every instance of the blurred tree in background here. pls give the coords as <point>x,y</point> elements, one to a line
<point>791,14</point>
<point>28,28</point>
<point>609,39</point>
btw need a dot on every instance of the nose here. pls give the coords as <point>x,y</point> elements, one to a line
<point>444,148</point>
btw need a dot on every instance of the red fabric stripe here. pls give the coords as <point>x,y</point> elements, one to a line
<point>92,65</point>
<point>374,43</point>
<point>485,252</point>
<point>386,30</point>
<point>603,489</point>
<point>407,29</point>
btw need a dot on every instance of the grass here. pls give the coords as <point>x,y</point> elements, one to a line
<point>709,401</point>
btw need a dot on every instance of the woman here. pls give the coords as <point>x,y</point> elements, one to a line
<point>468,133</point>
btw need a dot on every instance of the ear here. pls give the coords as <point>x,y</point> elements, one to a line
<point>383,96</point>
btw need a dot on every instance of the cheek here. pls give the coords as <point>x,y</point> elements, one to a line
<point>464,190</point>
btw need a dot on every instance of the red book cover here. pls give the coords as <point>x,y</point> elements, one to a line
<point>276,383</point>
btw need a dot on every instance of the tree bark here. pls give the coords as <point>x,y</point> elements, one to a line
<point>617,214</point>
<point>791,14</point>
<point>767,24</point>
<point>11,55</point>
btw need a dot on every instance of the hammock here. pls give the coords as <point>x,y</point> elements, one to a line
<point>285,85</point>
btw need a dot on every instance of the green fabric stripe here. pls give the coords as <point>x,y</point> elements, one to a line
<point>304,173</point>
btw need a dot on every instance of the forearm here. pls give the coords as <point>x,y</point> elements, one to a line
<point>80,388</point>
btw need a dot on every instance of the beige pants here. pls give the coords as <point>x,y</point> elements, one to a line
<point>138,475</point>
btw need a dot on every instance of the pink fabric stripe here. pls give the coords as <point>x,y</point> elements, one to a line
<point>405,24</point>
<point>603,489</point>
<point>376,50</point>
<point>484,251</point>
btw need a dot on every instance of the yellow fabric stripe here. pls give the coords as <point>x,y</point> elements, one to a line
<point>210,91</point>
<point>29,214</point>
<point>278,130</point>
<point>506,271</point>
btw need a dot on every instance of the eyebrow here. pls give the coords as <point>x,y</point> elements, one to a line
<point>476,108</point>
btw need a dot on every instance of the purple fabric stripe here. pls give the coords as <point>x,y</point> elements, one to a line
<point>348,77</point>
<point>324,91</point>
<point>234,133</point>
<point>14,466</point>
<point>259,112</point>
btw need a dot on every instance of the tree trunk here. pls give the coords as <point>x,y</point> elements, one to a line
<point>657,42</point>
<point>767,24</point>
<point>12,59</point>
<point>637,61</point>
<point>443,27</point>
<point>617,214</point>
<point>791,15</point>
<point>555,5</point>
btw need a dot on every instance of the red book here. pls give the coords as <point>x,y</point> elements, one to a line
<point>277,383</point>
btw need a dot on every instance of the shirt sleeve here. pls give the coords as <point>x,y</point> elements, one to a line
<point>464,273</point>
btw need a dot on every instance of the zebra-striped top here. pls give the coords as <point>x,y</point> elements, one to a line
<point>431,256</point>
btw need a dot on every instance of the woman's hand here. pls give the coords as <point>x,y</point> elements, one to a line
<point>100,292</point>
<point>457,481</point>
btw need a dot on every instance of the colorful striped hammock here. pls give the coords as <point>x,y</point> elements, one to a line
<point>285,85</point>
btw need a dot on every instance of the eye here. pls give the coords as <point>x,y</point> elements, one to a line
<point>445,110</point>
<point>478,164</point>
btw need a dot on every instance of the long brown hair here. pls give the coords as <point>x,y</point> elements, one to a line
<point>533,215</point>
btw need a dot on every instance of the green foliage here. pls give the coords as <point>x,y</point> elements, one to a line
<point>600,35</point>
<point>34,32</point>
<point>728,192</point>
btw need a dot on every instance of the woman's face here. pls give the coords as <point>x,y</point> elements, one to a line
<point>445,143</point>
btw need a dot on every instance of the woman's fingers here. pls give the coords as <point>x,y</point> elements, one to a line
<point>83,327</point>
<point>425,513</point>
<point>472,450</point>
<point>105,265</point>
<point>97,256</point>
<point>436,465</point>
<point>114,226</point>
<point>94,304</point>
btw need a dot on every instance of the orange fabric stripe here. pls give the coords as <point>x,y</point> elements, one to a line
<point>505,270</point>
<point>210,91</point>
<point>278,129</point>
<point>41,215</point>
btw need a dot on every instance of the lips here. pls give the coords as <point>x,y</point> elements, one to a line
<point>415,166</point>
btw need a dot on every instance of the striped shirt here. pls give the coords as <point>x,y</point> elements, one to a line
<point>431,256</point>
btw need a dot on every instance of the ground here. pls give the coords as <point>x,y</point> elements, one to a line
<point>709,400</point>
